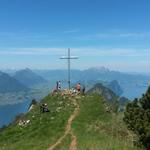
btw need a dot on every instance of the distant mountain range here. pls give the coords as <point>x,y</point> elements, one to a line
<point>132,85</point>
<point>10,84</point>
<point>28,78</point>
<point>123,84</point>
<point>22,80</point>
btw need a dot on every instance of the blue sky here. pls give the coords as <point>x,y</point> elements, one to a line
<point>110,33</point>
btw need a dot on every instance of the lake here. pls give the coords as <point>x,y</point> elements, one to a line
<point>9,112</point>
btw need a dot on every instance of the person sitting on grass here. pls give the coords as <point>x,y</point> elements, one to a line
<point>44,108</point>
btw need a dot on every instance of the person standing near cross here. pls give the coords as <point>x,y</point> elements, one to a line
<point>59,85</point>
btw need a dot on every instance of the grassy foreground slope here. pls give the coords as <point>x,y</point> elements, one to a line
<point>93,127</point>
<point>97,129</point>
<point>43,129</point>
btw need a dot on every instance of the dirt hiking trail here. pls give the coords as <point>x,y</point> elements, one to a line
<point>68,130</point>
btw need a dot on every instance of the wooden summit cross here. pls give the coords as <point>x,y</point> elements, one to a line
<point>69,58</point>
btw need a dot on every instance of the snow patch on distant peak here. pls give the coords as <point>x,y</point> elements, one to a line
<point>99,69</point>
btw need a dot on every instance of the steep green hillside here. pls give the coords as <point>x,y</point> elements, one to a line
<point>74,122</point>
<point>43,129</point>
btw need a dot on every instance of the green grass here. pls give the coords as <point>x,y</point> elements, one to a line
<point>94,128</point>
<point>98,130</point>
<point>44,129</point>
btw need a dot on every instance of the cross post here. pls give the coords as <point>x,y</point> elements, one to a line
<point>69,58</point>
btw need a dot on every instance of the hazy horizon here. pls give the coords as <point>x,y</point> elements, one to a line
<point>66,69</point>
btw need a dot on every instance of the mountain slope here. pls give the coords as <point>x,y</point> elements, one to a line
<point>28,77</point>
<point>73,122</point>
<point>10,84</point>
<point>107,94</point>
<point>115,87</point>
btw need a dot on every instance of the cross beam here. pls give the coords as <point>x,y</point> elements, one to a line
<point>69,58</point>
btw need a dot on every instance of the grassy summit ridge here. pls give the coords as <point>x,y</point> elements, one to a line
<point>93,127</point>
<point>97,129</point>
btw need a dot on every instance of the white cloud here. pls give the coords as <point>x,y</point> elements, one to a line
<point>93,52</point>
<point>115,52</point>
<point>123,35</point>
<point>32,51</point>
<point>113,34</point>
<point>123,59</point>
